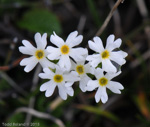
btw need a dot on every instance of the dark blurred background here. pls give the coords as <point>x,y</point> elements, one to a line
<point>21,102</point>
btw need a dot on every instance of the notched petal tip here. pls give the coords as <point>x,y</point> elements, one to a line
<point>37,35</point>
<point>40,75</point>
<point>96,38</point>
<point>125,54</point>
<point>74,32</point>
<point>27,70</point>
<point>54,34</point>
<point>104,100</point>
<point>111,36</point>
<point>47,95</point>
<point>24,41</point>
<point>44,35</point>
<point>20,48</point>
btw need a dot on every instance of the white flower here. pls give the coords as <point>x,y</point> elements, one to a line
<point>61,79</point>
<point>65,49</point>
<point>106,55</point>
<point>38,54</point>
<point>82,69</point>
<point>102,82</point>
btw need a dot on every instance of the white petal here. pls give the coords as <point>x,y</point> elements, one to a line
<point>45,86</point>
<point>54,56</point>
<point>26,61</point>
<point>82,62</point>
<point>98,95</point>
<point>88,68</point>
<point>46,63</point>
<point>118,57</point>
<point>68,84</point>
<point>118,42</point>
<point>29,67</point>
<point>46,75</point>
<point>101,94</point>
<point>50,89</point>
<point>62,92</point>
<point>115,87</point>
<point>26,51</point>
<point>110,40</point>
<point>94,59</point>
<point>67,62</point>
<point>112,75</point>
<point>48,71</point>
<point>78,53</point>
<point>30,63</point>
<point>111,44</point>
<point>73,65</point>
<point>124,54</point>
<point>52,49</point>
<point>93,46</point>
<point>71,77</point>
<point>91,85</point>
<point>59,70</point>
<point>99,43</point>
<point>98,73</point>
<point>108,66</point>
<point>44,40</point>
<point>38,40</point>
<point>56,40</point>
<point>69,91</point>
<point>28,45</point>
<point>116,84</point>
<point>73,39</point>
<point>83,83</point>
<point>61,62</point>
<point>64,62</point>
<point>54,53</point>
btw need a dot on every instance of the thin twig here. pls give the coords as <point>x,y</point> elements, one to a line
<point>117,20</point>
<point>144,12</point>
<point>40,115</point>
<point>11,65</point>
<point>136,62</point>
<point>108,17</point>
<point>81,24</point>
<point>32,99</point>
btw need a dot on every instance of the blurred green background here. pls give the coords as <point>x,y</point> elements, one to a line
<point>21,101</point>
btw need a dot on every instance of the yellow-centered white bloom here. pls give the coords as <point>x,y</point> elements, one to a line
<point>38,55</point>
<point>107,54</point>
<point>66,50</point>
<point>102,82</point>
<point>82,69</point>
<point>60,78</point>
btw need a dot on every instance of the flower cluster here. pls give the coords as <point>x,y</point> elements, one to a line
<point>75,65</point>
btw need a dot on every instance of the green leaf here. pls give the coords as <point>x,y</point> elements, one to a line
<point>40,20</point>
<point>4,85</point>
<point>16,120</point>
<point>94,12</point>
<point>98,111</point>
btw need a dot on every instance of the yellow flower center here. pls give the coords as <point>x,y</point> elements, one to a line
<point>58,78</point>
<point>105,54</point>
<point>39,54</point>
<point>64,49</point>
<point>80,69</point>
<point>103,81</point>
